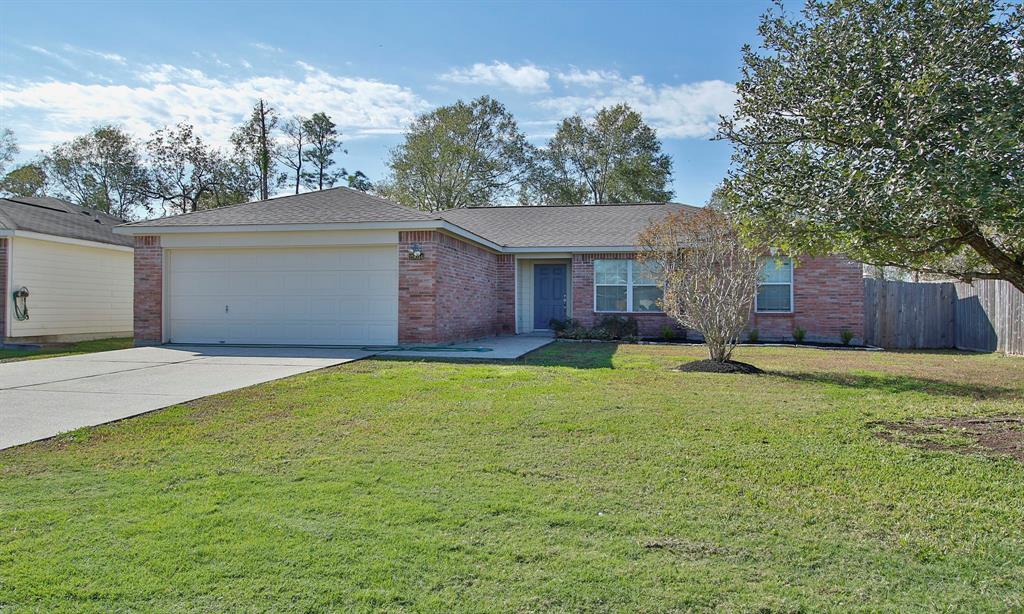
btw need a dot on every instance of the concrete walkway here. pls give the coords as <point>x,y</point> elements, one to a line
<point>41,398</point>
<point>493,348</point>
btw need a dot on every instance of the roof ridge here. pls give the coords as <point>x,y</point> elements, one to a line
<point>387,201</point>
<point>568,206</point>
<point>286,196</point>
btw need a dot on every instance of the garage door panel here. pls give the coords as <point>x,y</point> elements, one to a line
<point>309,296</point>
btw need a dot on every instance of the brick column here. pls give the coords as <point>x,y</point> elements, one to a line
<point>4,259</point>
<point>506,323</point>
<point>149,290</point>
<point>417,288</point>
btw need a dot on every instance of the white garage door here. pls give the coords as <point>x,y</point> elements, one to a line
<point>304,296</point>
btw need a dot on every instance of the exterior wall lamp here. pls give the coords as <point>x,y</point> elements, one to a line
<point>415,252</point>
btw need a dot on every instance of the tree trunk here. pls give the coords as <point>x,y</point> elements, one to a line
<point>1011,270</point>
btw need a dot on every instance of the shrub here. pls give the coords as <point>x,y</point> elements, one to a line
<point>799,334</point>
<point>618,327</point>
<point>668,333</point>
<point>846,336</point>
<point>559,326</point>
<point>753,336</point>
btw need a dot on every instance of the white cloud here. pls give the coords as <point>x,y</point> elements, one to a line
<point>524,78</point>
<point>103,55</point>
<point>305,66</point>
<point>246,65</point>
<point>168,94</point>
<point>266,47</point>
<point>687,110</point>
<point>51,54</point>
<point>588,78</point>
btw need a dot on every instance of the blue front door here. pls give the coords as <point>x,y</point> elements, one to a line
<point>549,297</point>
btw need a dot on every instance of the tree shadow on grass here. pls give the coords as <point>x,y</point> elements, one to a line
<point>896,384</point>
<point>574,355</point>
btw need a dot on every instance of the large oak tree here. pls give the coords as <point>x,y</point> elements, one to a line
<point>463,154</point>
<point>104,170</point>
<point>890,130</point>
<point>613,158</point>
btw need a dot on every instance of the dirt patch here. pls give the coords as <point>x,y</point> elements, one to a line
<point>710,366</point>
<point>994,435</point>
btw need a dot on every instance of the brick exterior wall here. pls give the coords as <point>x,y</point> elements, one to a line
<point>506,323</point>
<point>4,259</point>
<point>149,289</point>
<point>828,296</point>
<point>650,324</point>
<point>452,293</point>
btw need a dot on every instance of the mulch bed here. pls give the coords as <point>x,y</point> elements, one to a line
<point>710,366</point>
<point>995,435</point>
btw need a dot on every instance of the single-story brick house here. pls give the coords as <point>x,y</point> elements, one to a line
<point>76,271</point>
<point>340,267</point>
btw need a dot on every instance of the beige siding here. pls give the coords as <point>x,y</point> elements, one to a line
<point>75,290</point>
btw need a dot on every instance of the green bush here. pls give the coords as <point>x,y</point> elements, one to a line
<point>753,336</point>
<point>618,327</point>
<point>559,326</point>
<point>668,333</point>
<point>799,334</point>
<point>846,336</point>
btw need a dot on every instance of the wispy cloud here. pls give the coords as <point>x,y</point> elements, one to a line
<point>103,55</point>
<point>266,47</point>
<point>168,94</point>
<point>687,110</point>
<point>523,78</point>
<point>52,55</point>
<point>588,78</point>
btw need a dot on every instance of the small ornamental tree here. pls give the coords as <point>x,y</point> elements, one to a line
<point>708,276</point>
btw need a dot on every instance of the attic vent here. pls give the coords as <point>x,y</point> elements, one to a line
<point>85,213</point>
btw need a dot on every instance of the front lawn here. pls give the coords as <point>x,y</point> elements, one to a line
<point>590,478</point>
<point>52,351</point>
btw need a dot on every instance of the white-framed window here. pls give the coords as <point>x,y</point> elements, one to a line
<point>775,289</point>
<point>624,286</point>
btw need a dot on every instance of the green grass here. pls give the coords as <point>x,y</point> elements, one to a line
<point>590,478</point>
<point>82,347</point>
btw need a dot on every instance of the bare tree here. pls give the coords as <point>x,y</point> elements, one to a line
<point>254,145</point>
<point>708,276</point>
<point>293,150</point>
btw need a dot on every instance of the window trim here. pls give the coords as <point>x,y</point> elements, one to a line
<point>629,287</point>
<point>790,283</point>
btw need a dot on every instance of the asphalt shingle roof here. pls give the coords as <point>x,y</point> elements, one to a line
<point>561,226</point>
<point>53,216</point>
<point>333,206</point>
<point>548,226</point>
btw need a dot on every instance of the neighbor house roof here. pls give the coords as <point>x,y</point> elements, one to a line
<point>612,225</point>
<point>56,217</point>
<point>333,206</point>
<point>563,226</point>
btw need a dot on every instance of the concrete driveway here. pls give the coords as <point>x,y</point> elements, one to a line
<point>41,398</point>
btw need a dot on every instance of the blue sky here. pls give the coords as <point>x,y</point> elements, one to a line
<point>65,67</point>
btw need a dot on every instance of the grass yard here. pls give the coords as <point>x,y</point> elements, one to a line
<point>82,347</point>
<point>590,478</point>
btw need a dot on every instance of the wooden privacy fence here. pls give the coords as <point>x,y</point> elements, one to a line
<point>986,316</point>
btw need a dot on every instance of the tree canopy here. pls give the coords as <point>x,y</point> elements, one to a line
<point>892,131</point>
<point>459,155</point>
<point>103,169</point>
<point>614,158</point>
<point>25,180</point>
<point>323,141</point>
<point>255,147</point>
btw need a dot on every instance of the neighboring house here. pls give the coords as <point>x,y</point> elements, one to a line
<point>340,267</point>
<point>78,273</point>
